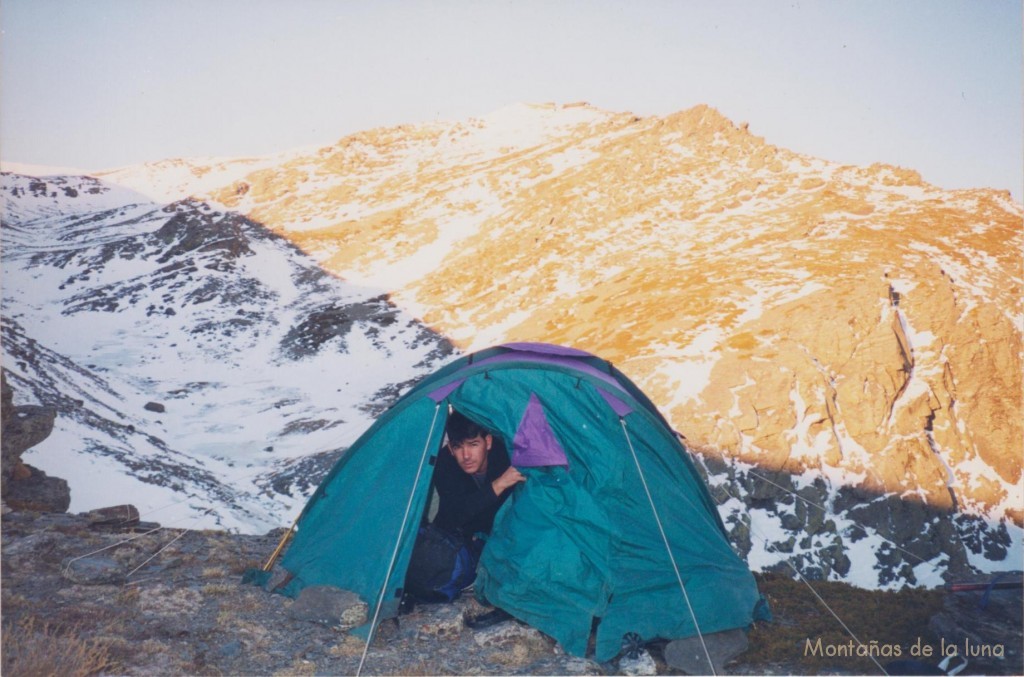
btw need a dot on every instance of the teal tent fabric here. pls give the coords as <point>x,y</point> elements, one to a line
<point>578,545</point>
<point>347,533</point>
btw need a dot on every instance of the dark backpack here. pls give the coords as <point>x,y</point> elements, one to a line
<point>442,565</point>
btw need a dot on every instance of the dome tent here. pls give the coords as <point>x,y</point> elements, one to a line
<point>613,526</point>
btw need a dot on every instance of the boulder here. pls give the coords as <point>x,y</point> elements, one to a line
<point>93,570</point>
<point>38,492</point>
<point>116,517</point>
<point>23,427</point>
<point>329,605</point>
<point>687,655</point>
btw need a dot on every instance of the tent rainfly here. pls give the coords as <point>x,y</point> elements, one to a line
<point>614,527</point>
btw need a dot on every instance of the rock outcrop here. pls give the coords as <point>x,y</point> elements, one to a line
<point>25,487</point>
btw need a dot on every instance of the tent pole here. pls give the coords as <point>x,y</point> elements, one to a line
<point>280,546</point>
<point>398,543</point>
<point>668,548</point>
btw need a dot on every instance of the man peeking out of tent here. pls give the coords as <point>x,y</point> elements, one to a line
<point>473,478</point>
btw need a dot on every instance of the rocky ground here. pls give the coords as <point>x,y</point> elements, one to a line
<point>102,596</point>
<point>96,594</point>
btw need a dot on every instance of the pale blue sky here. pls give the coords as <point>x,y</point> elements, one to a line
<point>933,85</point>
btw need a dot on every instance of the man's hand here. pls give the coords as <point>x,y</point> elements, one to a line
<point>509,478</point>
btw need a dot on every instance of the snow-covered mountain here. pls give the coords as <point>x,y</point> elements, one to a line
<point>197,361</point>
<point>851,335</point>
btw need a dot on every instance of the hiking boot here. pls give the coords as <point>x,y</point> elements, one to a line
<point>407,605</point>
<point>486,620</point>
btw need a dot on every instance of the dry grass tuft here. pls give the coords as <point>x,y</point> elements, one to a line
<point>240,566</point>
<point>245,600</point>
<point>349,646</point>
<point>213,589</point>
<point>422,667</point>
<point>128,596</point>
<point>299,667</point>
<point>32,648</point>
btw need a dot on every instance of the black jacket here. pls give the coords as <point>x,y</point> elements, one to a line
<point>463,506</point>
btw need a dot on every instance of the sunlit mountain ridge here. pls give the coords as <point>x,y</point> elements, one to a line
<point>785,310</point>
<point>849,335</point>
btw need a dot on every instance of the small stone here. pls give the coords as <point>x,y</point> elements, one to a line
<point>643,664</point>
<point>93,571</point>
<point>513,644</point>
<point>230,649</point>
<point>441,620</point>
<point>504,633</point>
<point>155,406</point>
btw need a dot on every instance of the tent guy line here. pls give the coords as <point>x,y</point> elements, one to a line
<point>668,547</point>
<point>149,532</point>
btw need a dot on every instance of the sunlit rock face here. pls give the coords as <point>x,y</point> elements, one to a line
<point>794,313</point>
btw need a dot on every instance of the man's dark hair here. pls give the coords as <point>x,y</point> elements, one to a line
<point>460,429</point>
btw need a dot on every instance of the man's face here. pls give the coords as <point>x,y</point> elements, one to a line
<point>471,454</point>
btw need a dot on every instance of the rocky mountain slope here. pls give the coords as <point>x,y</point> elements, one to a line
<point>198,363</point>
<point>851,335</point>
<point>784,310</point>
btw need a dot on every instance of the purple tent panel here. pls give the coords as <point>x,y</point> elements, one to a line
<point>535,444</point>
<point>444,391</point>
<point>617,405</point>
